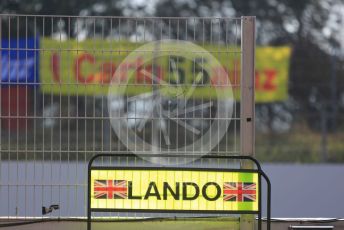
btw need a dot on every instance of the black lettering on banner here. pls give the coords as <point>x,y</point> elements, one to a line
<point>218,191</point>
<point>198,68</point>
<point>185,195</point>
<point>167,188</point>
<point>130,192</point>
<point>155,193</point>
<point>177,73</point>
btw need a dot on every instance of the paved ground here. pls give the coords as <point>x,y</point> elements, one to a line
<point>191,224</point>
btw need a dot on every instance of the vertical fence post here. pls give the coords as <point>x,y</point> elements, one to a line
<point>247,100</point>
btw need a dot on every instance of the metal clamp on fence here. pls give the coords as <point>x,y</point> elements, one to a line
<point>161,189</point>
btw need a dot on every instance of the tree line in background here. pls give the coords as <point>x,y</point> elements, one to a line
<point>312,28</point>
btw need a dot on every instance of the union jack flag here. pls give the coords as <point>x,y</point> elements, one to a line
<point>239,191</point>
<point>110,189</point>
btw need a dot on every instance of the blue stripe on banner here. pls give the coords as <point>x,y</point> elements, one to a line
<point>19,60</point>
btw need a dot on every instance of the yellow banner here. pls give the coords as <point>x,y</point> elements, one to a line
<point>174,190</point>
<point>87,67</point>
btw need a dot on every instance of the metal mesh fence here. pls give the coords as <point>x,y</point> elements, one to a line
<point>57,109</point>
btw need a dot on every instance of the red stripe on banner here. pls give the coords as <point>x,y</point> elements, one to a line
<point>229,192</point>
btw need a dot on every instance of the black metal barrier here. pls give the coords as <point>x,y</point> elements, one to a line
<point>258,171</point>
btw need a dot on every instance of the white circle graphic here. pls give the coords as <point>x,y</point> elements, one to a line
<point>156,107</point>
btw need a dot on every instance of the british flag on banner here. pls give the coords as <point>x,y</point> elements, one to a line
<point>239,191</point>
<point>110,189</point>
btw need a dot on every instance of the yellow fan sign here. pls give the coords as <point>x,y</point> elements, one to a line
<point>177,190</point>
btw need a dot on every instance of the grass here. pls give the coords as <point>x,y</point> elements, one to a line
<point>300,145</point>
